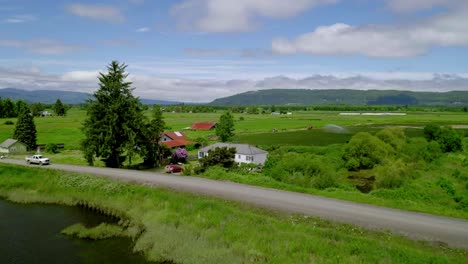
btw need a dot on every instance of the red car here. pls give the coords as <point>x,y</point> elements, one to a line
<point>173,168</point>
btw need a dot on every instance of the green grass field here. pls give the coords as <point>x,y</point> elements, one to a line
<point>67,129</point>
<point>168,225</point>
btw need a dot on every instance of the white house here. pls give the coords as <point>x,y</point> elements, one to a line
<point>244,153</point>
<point>11,146</point>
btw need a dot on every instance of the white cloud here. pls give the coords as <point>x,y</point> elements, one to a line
<point>97,12</point>
<point>17,19</point>
<point>204,90</point>
<point>450,29</point>
<point>405,6</point>
<point>236,16</point>
<point>40,46</point>
<point>143,29</point>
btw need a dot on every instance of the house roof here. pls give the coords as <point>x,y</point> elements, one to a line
<point>176,143</point>
<point>174,135</point>
<point>8,143</point>
<point>240,148</point>
<point>203,125</point>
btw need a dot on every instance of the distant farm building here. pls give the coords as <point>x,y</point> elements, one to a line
<point>244,153</point>
<point>203,126</point>
<point>174,139</point>
<point>11,146</point>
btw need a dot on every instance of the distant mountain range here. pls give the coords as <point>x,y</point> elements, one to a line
<point>50,96</point>
<point>344,96</point>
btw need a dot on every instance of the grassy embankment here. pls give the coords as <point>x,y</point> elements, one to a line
<point>187,228</point>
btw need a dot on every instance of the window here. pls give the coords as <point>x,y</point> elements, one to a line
<point>239,156</point>
<point>249,158</point>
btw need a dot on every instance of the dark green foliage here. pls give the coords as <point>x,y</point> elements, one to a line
<point>448,139</point>
<point>21,105</point>
<point>364,151</point>
<point>114,119</point>
<point>431,132</point>
<point>225,127</point>
<point>9,122</point>
<point>153,153</point>
<point>219,156</point>
<point>59,108</point>
<point>35,108</point>
<point>51,148</point>
<point>25,129</point>
<point>9,109</point>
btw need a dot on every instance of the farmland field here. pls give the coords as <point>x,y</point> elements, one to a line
<point>253,129</point>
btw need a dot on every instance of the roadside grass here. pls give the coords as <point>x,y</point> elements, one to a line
<point>186,228</point>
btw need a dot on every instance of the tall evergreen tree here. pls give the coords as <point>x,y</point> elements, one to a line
<point>25,129</point>
<point>153,152</point>
<point>225,127</point>
<point>114,119</point>
<point>21,105</point>
<point>59,108</point>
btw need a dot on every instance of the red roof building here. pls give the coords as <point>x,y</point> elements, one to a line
<point>203,126</point>
<point>174,139</point>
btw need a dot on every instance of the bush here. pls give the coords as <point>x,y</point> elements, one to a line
<point>364,151</point>
<point>179,155</point>
<point>392,175</point>
<point>394,136</point>
<point>219,156</point>
<point>306,170</point>
<point>9,122</point>
<point>51,148</point>
<point>431,132</point>
<point>450,140</point>
<point>431,151</point>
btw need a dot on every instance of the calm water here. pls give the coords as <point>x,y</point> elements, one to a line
<point>31,234</point>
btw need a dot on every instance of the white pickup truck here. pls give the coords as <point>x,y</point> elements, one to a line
<point>37,159</point>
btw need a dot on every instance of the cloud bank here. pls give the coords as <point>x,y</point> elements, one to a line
<point>204,90</point>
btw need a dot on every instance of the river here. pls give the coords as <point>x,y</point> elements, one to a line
<point>30,233</point>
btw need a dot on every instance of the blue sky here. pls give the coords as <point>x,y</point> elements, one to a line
<point>197,50</point>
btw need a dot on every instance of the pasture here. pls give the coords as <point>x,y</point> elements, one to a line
<point>253,129</point>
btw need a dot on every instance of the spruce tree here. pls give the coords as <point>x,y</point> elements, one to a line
<point>225,127</point>
<point>59,108</point>
<point>25,129</point>
<point>114,119</point>
<point>153,152</point>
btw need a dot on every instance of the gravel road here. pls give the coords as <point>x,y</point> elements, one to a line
<point>450,231</point>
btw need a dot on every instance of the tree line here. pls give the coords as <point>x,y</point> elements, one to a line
<point>12,109</point>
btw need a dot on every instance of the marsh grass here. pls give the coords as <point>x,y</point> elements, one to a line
<point>102,231</point>
<point>186,228</point>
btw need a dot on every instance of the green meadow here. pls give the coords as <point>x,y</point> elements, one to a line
<point>183,228</point>
<point>67,129</point>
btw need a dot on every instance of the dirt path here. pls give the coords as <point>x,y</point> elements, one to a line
<point>453,232</point>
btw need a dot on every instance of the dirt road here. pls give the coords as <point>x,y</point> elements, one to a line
<point>451,231</point>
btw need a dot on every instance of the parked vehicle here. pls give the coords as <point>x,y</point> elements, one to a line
<point>37,159</point>
<point>173,168</point>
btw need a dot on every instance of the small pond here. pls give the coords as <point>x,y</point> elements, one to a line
<point>30,233</point>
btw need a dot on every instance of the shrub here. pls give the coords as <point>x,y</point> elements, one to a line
<point>392,175</point>
<point>450,140</point>
<point>179,155</point>
<point>431,151</point>
<point>51,148</point>
<point>394,136</point>
<point>364,151</point>
<point>431,132</point>
<point>9,122</point>
<point>306,170</point>
<point>219,156</point>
